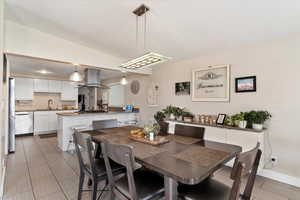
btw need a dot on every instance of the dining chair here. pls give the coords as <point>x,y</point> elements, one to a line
<point>189,131</point>
<point>164,128</point>
<point>245,165</point>
<point>139,184</point>
<point>89,166</point>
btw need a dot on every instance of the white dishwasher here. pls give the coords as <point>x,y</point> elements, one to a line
<point>24,123</point>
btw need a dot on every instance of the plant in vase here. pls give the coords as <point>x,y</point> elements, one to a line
<point>159,116</point>
<point>187,116</point>
<point>239,119</point>
<point>151,130</point>
<point>258,118</point>
<point>170,111</point>
<point>178,113</point>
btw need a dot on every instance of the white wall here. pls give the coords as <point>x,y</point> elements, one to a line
<point>2,99</point>
<point>277,67</point>
<point>20,39</point>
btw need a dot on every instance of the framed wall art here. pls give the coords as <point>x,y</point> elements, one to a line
<point>245,84</point>
<point>211,83</point>
<point>182,88</point>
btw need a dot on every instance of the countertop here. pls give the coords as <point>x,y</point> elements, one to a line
<point>92,113</point>
<point>34,110</point>
<point>218,126</point>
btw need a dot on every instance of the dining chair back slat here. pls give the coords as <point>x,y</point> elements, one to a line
<point>189,131</point>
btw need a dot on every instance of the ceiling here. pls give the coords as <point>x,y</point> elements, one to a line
<point>24,66</point>
<point>176,28</point>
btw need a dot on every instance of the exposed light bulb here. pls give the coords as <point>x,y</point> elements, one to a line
<point>123,81</point>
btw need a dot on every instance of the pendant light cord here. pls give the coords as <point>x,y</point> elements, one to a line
<point>145,29</point>
<point>137,32</point>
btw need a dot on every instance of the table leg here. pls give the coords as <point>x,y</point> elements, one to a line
<point>170,188</point>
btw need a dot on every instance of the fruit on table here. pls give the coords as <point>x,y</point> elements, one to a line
<point>137,133</point>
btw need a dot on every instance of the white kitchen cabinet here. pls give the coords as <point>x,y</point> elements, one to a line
<point>69,91</point>
<point>55,86</point>
<point>52,120</point>
<point>46,121</point>
<point>24,88</point>
<point>41,122</point>
<point>41,85</point>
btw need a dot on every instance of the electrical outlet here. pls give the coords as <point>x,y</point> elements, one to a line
<point>274,160</point>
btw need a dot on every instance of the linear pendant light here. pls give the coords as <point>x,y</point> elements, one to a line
<point>150,58</point>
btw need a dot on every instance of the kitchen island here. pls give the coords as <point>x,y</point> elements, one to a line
<point>69,120</point>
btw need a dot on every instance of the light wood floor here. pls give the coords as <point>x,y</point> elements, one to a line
<point>40,171</point>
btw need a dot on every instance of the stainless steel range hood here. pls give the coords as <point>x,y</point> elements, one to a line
<point>92,78</point>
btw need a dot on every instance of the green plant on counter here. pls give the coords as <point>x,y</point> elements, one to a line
<point>257,117</point>
<point>159,116</point>
<point>238,117</point>
<point>229,121</point>
<point>187,114</point>
<point>179,112</point>
<point>170,110</point>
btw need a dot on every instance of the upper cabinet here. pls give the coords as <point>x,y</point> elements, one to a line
<point>41,85</point>
<point>55,86</point>
<point>69,91</point>
<point>51,86</point>
<point>24,88</point>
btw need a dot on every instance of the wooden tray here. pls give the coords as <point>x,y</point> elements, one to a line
<point>157,141</point>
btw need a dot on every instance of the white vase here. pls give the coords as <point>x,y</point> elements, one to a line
<point>172,116</point>
<point>242,124</point>
<point>258,127</point>
<point>179,118</point>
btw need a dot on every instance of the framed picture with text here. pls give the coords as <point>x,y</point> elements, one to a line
<point>211,83</point>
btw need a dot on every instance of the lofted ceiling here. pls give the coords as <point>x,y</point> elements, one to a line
<point>176,28</point>
<point>31,67</point>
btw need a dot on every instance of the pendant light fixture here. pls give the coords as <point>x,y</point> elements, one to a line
<point>76,76</point>
<point>123,80</point>
<point>149,58</point>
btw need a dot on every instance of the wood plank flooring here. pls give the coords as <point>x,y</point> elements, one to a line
<point>40,171</point>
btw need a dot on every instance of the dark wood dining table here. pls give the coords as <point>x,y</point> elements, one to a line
<point>183,159</point>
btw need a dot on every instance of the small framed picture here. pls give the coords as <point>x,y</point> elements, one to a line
<point>182,88</point>
<point>221,119</point>
<point>245,84</point>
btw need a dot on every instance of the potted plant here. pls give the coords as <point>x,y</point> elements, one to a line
<point>159,116</point>
<point>239,119</point>
<point>151,130</point>
<point>170,111</point>
<point>187,116</point>
<point>178,113</point>
<point>259,118</point>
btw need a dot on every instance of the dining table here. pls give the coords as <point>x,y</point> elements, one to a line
<point>182,159</point>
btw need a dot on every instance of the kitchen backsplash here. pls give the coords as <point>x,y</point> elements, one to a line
<point>40,101</point>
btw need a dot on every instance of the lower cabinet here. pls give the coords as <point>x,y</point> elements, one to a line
<point>46,121</point>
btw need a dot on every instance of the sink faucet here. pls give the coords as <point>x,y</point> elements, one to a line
<point>50,102</point>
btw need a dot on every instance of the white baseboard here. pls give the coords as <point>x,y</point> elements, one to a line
<point>280,177</point>
<point>2,183</point>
